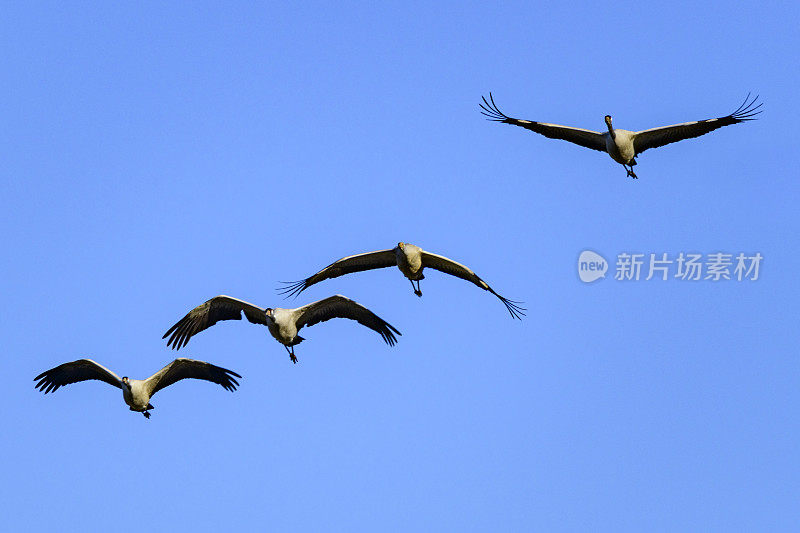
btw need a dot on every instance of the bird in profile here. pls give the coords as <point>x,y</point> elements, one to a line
<point>622,145</point>
<point>410,259</point>
<point>136,392</point>
<point>283,324</point>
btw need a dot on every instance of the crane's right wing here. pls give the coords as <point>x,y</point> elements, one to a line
<point>209,313</point>
<point>345,265</point>
<point>73,372</point>
<point>586,138</point>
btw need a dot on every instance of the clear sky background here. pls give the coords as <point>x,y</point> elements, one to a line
<point>155,156</point>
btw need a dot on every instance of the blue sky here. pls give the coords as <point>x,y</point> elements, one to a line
<point>155,156</point>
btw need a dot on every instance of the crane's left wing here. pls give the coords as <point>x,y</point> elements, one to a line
<point>655,137</point>
<point>341,307</point>
<point>183,368</point>
<point>448,266</point>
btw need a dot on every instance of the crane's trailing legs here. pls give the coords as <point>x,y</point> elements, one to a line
<point>291,354</point>
<point>630,172</point>
<point>416,288</point>
<point>145,413</point>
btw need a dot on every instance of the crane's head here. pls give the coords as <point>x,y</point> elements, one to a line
<point>270,314</point>
<point>608,120</point>
<point>126,382</point>
<point>400,245</point>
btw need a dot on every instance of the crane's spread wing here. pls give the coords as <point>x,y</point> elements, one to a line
<point>341,307</point>
<point>183,368</point>
<point>586,138</point>
<point>448,266</point>
<point>80,370</point>
<point>345,265</point>
<point>655,137</point>
<point>209,313</point>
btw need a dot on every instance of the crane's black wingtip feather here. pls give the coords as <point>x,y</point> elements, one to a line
<point>175,326</point>
<point>231,384</point>
<point>491,110</point>
<point>292,289</point>
<point>514,307</point>
<point>231,372</point>
<point>387,333</point>
<point>748,110</point>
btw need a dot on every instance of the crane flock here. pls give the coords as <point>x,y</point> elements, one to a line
<point>622,146</point>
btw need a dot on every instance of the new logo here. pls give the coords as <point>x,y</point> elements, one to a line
<point>591,266</point>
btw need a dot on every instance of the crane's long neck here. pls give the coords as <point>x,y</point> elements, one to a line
<point>611,130</point>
